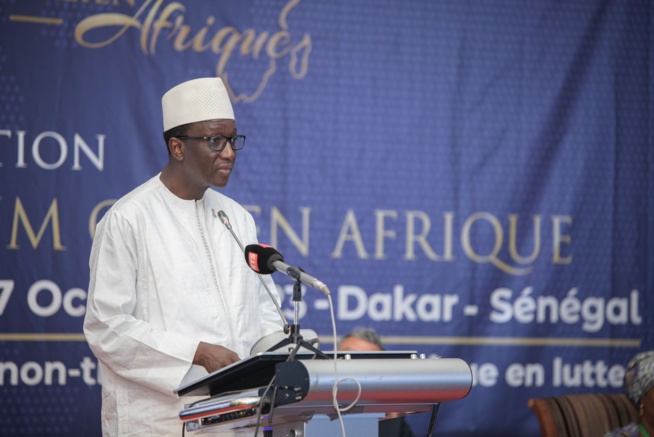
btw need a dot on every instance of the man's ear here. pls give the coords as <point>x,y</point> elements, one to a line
<point>176,147</point>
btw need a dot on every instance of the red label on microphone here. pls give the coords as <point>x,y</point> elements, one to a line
<point>253,261</point>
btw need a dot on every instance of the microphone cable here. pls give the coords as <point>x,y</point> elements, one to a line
<point>337,381</point>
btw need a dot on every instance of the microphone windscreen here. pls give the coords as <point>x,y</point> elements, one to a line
<point>260,258</point>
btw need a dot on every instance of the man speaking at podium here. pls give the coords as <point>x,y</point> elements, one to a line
<point>171,297</point>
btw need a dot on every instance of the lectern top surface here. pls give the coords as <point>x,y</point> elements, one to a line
<point>258,370</point>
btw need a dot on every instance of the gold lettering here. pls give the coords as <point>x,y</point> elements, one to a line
<point>163,23</point>
<point>412,238</point>
<point>21,215</point>
<point>350,224</point>
<point>278,220</point>
<point>242,97</point>
<point>182,33</point>
<point>558,238</point>
<point>251,44</point>
<point>492,256</point>
<point>278,39</point>
<point>224,42</point>
<point>382,232</point>
<point>147,26</point>
<point>421,239</point>
<point>107,20</point>
<point>513,231</point>
<point>225,50</point>
<point>448,236</point>
<point>198,45</point>
<point>284,13</point>
<point>304,47</point>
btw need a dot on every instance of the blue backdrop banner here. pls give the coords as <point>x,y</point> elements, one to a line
<point>472,179</point>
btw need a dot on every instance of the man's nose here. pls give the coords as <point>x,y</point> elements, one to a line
<point>228,152</point>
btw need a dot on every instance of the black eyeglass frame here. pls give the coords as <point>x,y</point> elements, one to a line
<point>217,139</point>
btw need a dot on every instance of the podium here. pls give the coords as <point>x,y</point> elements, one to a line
<point>295,398</point>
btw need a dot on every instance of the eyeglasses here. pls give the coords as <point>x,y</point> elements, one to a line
<point>217,143</point>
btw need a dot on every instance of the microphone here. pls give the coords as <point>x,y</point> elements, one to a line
<point>265,260</point>
<point>223,218</point>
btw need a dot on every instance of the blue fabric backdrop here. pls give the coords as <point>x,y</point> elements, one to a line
<point>472,179</point>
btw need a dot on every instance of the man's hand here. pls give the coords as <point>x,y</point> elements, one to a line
<point>213,357</point>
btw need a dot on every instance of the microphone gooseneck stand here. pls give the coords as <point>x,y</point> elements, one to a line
<point>295,338</point>
<point>294,335</point>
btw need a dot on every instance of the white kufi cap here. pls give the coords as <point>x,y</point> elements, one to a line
<point>196,100</point>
